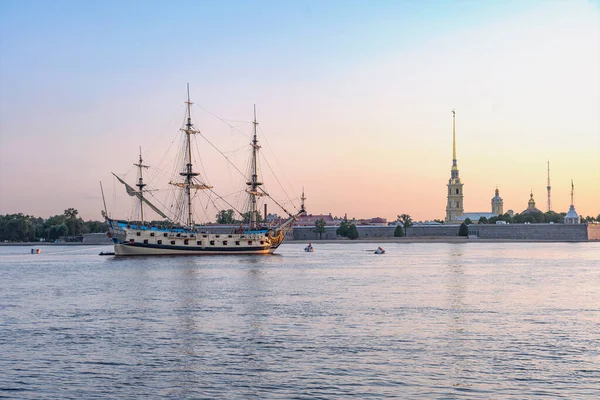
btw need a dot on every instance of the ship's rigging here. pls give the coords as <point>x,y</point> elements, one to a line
<point>189,183</point>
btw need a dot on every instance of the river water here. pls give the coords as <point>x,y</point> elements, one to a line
<point>470,320</point>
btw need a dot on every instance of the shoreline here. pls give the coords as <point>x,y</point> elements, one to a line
<point>347,241</point>
<point>436,240</point>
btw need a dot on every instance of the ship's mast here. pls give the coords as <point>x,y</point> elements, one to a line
<point>189,173</point>
<point>254,183</point>
<point>302,198</point>
<point>140,184</point>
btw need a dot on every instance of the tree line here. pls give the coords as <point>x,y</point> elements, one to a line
<point>228,217</point>
<point>348,228</point>
<point>536,217</point>
<point>27,228</point>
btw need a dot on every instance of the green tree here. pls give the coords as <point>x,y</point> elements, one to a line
<point>94,227</point>
<point>50,222</point>
<point>503,217</point>
<point>518,218</point>
<point>70,213</point>
<point>468,221</point>
<point>352,232</point>
<point>398,231</point>
<point>551,216</point>
<point>406,221</point>
<point>21,228</point>
<point>342,230</point>
<point>539,217</point>
<point>483,220</point>
<point>463,230</point>
<point>18,227</point>
<point>226,217</point>
<point>320,225</point>
<point>56,231</point>
<point>73,222</point>
<point>246,217</point>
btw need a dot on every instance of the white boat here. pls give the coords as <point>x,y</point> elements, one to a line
<point>379,251</point>
<point>181,235</point>
<point>309,248</point>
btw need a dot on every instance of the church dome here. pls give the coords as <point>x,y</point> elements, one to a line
<point>497,198</point>
<point>530,205</point>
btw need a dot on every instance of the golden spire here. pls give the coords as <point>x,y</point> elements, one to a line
<point>453,135</point>
<point>572,190</point>
<point>454,166</point>
<point>531,203</point>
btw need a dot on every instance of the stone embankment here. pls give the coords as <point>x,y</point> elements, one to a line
<point>449,233</point>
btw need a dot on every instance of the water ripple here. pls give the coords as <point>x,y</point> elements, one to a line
<point>447,321</point>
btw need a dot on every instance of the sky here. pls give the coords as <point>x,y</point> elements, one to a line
<point>353,98</point>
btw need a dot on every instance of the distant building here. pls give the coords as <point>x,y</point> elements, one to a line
<point>476,216</point>
<point>454,206</point>
<point>310,219</point>
<point>274,219</point>
<point>497,209</point>
<point>377,221</point>
<point>530,206</point>
<point>455,213</point>
<point>497,203</point>
<point>572,217</point>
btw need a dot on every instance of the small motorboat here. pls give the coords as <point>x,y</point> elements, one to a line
<point>379,251</point>
<point>309,248</point>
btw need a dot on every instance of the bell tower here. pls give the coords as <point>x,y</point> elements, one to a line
<point>497,203</point>
<point>454,206</point>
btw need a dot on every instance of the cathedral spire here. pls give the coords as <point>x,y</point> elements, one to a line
<point>454,207</point>
<point>453,139</point>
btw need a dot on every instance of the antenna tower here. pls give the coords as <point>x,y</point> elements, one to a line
<point>548,188</point>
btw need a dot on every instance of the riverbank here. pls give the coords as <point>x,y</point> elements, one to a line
<point>457,239</point>
<point>38,244</point>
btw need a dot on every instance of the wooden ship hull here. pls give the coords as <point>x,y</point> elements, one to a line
<point>150,241</point>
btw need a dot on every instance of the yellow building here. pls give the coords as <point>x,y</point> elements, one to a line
<point>454,206</point>
<point>497,203</point>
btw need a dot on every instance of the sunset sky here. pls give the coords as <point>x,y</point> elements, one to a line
<point>354,100</point>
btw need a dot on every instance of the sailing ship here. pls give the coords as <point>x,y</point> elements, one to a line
<point>137,238</point>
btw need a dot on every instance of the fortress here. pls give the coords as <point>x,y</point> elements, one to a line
<point>455,201</point>
<point>570,230</point>
<point>508,232</point>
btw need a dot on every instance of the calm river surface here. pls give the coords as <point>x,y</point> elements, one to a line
<point>471,320</point>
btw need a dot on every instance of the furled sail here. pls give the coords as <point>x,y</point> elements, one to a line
<point>196,186</point>
<point>132,192</point>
